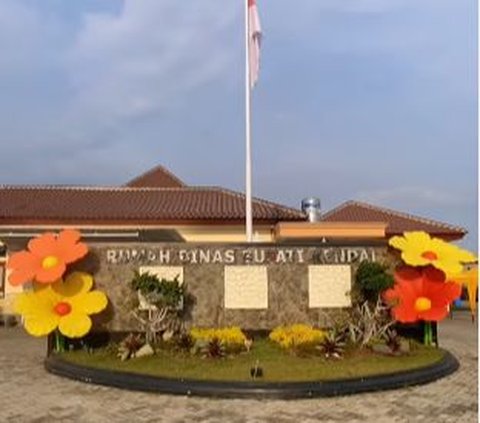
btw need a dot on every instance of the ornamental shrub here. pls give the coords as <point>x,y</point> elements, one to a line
<point>162,291</point>
<point>231,337</point>
<point>372,279</point>
<point>296,336</point>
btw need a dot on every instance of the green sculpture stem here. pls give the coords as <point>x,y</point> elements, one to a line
<point>59,342</point>
<point>428,334</point>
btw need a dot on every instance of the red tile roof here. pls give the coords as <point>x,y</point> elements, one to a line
<point>398,222</point>
<point>56,204</point>
<point>158,177</point>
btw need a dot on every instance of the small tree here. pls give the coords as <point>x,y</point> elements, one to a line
<point>372,279</point>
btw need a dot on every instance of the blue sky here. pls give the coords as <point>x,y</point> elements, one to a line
<point>372,100</point>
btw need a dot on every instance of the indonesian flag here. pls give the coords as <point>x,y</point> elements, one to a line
<point>255,38</point>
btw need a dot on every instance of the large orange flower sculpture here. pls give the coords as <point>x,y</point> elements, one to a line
<point>65,305</point>
<point>47,257</point>
<point>421,294</point>
<point>419,249</point>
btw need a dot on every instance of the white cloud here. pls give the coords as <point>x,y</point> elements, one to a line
<point>149,56</point>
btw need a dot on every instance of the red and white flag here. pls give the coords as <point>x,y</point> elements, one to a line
<point>255,38</point>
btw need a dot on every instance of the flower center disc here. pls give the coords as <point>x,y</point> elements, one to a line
<point>49,262</point>
<point>423,304</point>
<point>62,308</point>
<point>429,255</point>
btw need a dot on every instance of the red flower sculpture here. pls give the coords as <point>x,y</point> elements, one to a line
<point>47,258</point>
<point>421,294</point>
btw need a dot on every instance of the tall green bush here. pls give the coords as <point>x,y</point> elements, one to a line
<point>372,279</point>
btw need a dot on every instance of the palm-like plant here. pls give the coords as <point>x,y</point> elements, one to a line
<point>333,345</point>
<point>214,349</point>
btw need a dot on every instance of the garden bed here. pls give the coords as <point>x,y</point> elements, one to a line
<point>277,364</point>
<point>284,375</point>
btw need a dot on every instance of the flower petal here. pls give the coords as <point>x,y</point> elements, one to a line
<point>442,295</point>
<point>407,273</point>
<point>75,325</point>
<point>69,237</point>
<point>37,310</point>
<point>75,252</point>
<point>414,258</point>
<point>89,303</point>
<point>19,277</point>
<point>76,283</point>
<point>22,260</point>
<point>420,238</point>
<point>43,245</point>
<point>50,275</point>
<point>68,246</point>
<point>398,242</point>
<point>37,326</point>
<point>435,314</point>
<point>405,313</point>
<point>433,274</point>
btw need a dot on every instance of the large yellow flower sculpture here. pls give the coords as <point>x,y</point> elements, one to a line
<point>65,305</point>
<point>419,249</point>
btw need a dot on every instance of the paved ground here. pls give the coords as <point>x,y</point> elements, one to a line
<point>29,394</point>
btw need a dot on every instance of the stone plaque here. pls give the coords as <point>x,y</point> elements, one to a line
<point>246,287</point>
<point>329,286</point>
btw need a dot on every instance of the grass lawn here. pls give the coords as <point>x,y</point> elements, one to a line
<point>277,364</point>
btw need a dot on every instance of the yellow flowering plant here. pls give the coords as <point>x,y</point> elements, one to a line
<point>296,336</point>
<point>231,337</point>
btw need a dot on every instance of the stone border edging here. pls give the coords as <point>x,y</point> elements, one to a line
<point>257,390</point>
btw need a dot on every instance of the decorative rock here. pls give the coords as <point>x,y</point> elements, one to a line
<point>381,349</point>
<point>124,355</point>
<point>168,335</point>
<point>145,351</point>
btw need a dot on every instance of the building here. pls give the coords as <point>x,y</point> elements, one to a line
<point>157,207</point>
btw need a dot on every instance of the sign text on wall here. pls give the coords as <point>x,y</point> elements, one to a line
<point>167,256</point>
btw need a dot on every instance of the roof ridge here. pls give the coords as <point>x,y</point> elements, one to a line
<point>152,171</point>
<point>100,188</point>
<point>395,213</point>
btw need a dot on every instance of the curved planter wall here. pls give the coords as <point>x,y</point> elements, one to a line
<point>285,390</point>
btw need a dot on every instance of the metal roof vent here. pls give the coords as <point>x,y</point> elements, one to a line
<point>311,207</point>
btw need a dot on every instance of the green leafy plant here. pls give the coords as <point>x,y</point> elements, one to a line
<point>184,342</point>
<point>333,345</point>
<point>392,340</point>
<point>368,321</point>
<point>372,279</point>
<point>158,291</point>
<point>214,349</point>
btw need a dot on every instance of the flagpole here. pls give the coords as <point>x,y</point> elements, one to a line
<point>248,149</point>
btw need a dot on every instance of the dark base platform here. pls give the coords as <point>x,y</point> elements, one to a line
<point>257,390</point>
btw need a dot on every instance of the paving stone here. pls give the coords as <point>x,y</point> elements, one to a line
<point>28,394</point>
